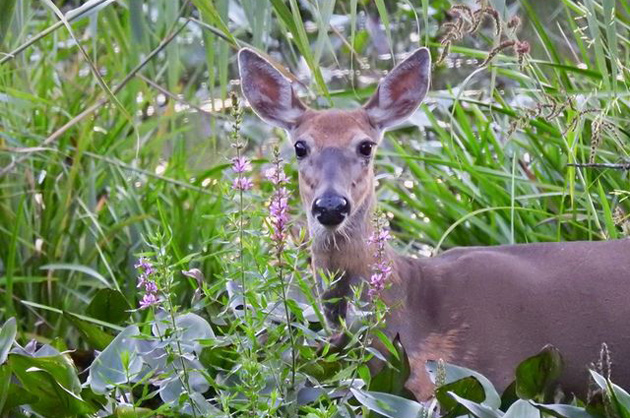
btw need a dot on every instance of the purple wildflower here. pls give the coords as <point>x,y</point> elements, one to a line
<point>276,175</point>
<point>150,287</point>
<point>145,265</point>
<point>279,216</point>
<point>382,267</point>
<point>242,184</point>
<point>379,238</point>
<point>149,300</point>
<point>279,204</point>
<point>377,283</point>
<point>142,280</point>
<point>147,283</point>
<point>241,164</point>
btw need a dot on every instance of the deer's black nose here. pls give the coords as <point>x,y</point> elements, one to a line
<point>331,209</point>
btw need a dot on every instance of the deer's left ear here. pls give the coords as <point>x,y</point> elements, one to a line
<point>400,93</point>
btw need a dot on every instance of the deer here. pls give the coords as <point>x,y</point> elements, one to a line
<point>484,308</point>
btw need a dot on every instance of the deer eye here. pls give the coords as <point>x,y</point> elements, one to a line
<point>365,148</point>
<point>301,149</point>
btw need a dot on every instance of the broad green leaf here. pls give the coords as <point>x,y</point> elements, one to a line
<point>620,398</point>
<point>562,411</point>
<point>192,329</point>
<point>392,377</point>
<point>467,388</point>
<point>522,409</point>
<point>109,305</point>
<point>95,337</point>
<point>509,396</point>
<point>7,338</point>
<point>391,406</point>
<point>535,374</point>
<point>117,363</point>
<point>478,409</point>
<point>60,367</point>
<point>454,373</point>
<point>54,381</point>
<point>16,396</point>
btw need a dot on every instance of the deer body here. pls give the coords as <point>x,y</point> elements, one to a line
<point>486,308</point>
<point>489,308</point>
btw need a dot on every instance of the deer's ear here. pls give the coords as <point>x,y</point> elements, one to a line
<point>269,93</point>
<point>400,93</point>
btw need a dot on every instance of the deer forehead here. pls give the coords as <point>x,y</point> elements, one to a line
<point>335,127</point>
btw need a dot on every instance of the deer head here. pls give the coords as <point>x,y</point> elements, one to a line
<point>335,148</point>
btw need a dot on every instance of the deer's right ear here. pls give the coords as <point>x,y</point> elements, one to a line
<point>269,93</point>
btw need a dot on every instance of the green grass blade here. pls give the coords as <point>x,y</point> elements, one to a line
<point>382,11</point>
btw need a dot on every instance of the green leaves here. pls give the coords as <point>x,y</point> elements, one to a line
<point>522,409</point>
<point>535,375</point>
<point>292,19</point>
<point>392,377</point>
<point>94,336</point>
<point>388,405</point>
<point>620,399</point>
<point>109,305</point>
<point>49,385</point>
<point>6,14</point>
<point>562,411</point>
<point>455,373</point>
<point>477,409</point>
<point>468,392</point>
<point>117,363</point>
<point>467,388</point>
<point>7,337</point>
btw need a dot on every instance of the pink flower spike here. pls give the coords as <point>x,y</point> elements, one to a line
<point>276,176</point>
<point>384,268</point>
<point>144,264</point>
<point>149,300</point>
<point>150,287</point>
<point>384,235</point>
<point>142,280</point>
<point>242,183</point>
<point>241,165</point>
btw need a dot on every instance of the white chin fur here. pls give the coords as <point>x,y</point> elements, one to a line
<point>327,238</point>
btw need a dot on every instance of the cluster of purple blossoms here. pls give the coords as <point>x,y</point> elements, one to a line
<point>382,268</point>
<point>241,165</point>
<point>146,283</point>
<point>279,205</point>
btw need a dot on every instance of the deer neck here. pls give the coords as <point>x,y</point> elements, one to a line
<point>345,251</point>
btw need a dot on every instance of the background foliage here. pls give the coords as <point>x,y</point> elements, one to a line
<point>115,125</point>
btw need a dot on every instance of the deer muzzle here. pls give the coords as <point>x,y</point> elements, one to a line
<point>330,209</point>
